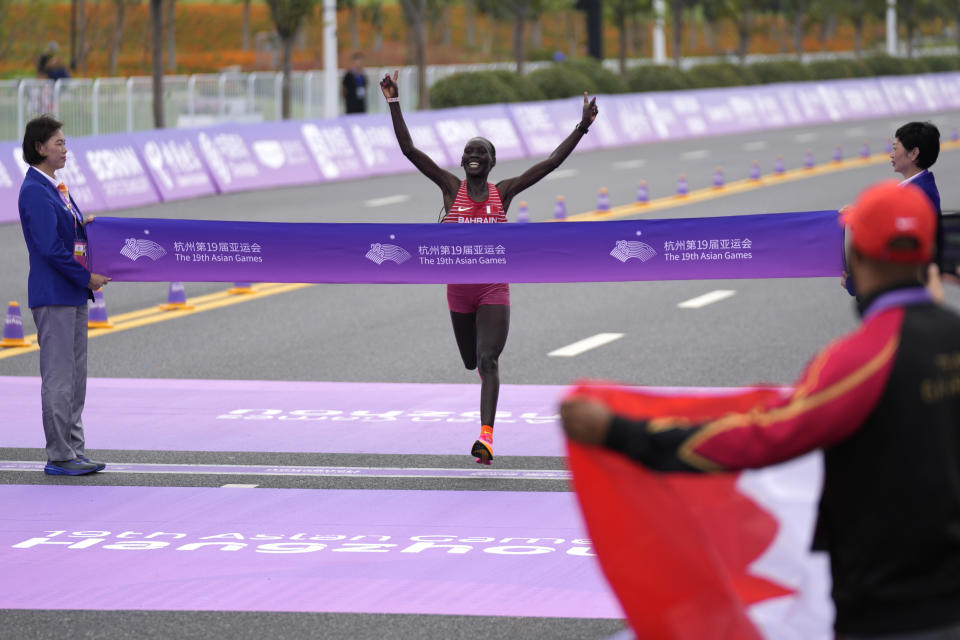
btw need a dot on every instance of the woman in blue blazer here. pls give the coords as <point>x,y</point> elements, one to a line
<point>58,287</point>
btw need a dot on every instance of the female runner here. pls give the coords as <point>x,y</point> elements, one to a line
<point>480,312</point>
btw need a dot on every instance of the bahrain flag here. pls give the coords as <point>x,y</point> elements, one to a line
<point>691,556</point>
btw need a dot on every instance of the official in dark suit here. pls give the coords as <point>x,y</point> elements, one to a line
<point>915,148</point>
<point>58,288</point>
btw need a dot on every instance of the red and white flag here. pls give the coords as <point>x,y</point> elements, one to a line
<point>691,556</point>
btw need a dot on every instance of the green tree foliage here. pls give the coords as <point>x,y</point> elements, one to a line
<point>656,78</point>
<point>562,81</point>
<point>780,71</point>
<point>719,75</point>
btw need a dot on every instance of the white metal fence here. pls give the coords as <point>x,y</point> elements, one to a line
<point>115,105</point>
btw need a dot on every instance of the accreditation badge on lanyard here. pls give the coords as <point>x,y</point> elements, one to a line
<point>79,246</point>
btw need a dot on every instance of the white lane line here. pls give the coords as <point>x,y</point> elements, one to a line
<point>696,154</point>
<point>387,200</point>
<point>584,345</point>
<point>707,298</point>
<point>624,165</point>
<point>560,174</point>
<point>755,145</point>
<point>239,486</point>
<point>805,137</point>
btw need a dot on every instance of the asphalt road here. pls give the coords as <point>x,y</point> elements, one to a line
<point>765,332</point>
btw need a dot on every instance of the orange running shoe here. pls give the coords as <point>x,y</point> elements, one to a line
<point>483,448</point>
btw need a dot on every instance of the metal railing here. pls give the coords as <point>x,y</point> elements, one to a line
<point>115,105</point>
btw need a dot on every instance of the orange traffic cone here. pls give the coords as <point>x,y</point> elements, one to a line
<point>241,288</point>
<point>13,328</point>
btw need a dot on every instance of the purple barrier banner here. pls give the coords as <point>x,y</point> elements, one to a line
<point>10,178</point>
<point>268,155</point>
<point>173,161</point>
<point>113,164</point>
<point>544,125</point>
<point>332,149</point>
<point>787,245</point>
<point>456,126</point>
<point>376,143</point>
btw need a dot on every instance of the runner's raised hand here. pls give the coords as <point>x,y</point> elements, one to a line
<point>389,85</point>
<point>590,110</point>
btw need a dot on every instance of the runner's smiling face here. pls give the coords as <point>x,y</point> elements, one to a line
<point>478,157</point>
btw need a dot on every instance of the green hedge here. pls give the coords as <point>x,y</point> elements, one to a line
<point>721,74</point>
<point>656,78</point>
<point>781,71</point>
<point>562,81</point>
<point>461,89</point>
<point>833,69</point>
<point>573,77</point>
<point>606,81</point>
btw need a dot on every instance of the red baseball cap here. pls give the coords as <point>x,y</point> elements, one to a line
<point>888,211</point>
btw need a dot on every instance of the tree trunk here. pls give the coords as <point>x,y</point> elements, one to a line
<point>676,9</point>
<point>120,18</point>
<point>417,19</point>
<point>637,32</point>
<point>798,30</point>
<point>744,29</point>
<point>858,32</point>
<point>171,11</point>
<point>956,23</point>
<point>246,25</point>
<point>571,24</point>
<point>621,14</point>
<point>536,33</point>
<point>81,62</point>
<point>470,13</point>
<point>519,21</point>
<point>353,21</point>
<point>286,50</point>
<point>156,19</point>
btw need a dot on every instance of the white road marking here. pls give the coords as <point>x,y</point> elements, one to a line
<point>239,486</point>
<point>629,164</point>
<point>696,154</point>
<point>805,137</point>
<point>707,298</point>
<point>755,145</point>
<point>584,345</point>
<point>560,174</point>
<point>387,200</point>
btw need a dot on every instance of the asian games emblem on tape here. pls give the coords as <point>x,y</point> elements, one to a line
<point>626,249</point>
<point>381,253</point>
<point>134,248</point>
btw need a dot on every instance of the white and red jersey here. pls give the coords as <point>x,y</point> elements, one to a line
<point>466,210</point>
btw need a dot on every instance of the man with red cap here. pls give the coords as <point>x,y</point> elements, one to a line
<point>884,404</point>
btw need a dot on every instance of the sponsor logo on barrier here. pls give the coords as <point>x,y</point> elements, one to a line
<point>304,542</point>
<point>135,248</point>
<point>626,249</point>
<point>384,415</point>
<point>381,253</point>
<point>269,153</point>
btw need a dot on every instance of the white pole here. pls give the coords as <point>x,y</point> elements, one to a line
<point>659,40</point>
<point>892,46</point>
<point>331,97</point>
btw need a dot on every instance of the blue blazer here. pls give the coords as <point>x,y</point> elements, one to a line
<point>926,182</point>
<point>48,228</point>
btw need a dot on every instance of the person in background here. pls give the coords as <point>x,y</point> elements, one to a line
<point>58,287</point>
<point>883,403</point>
<point>355,86</point>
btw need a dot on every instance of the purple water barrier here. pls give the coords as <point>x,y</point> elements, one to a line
<point>211,549</point>
<point>332,417</point>
<point>10,178</point>
<point>173,161</point>
<point>267,155</point>
<point>376,144</point>
<point>331,147</point>
<point>455,127</point>
<point>115,169</point>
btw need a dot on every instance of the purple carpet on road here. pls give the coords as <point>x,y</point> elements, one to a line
<point>210,549</point>
<point>330,417</point>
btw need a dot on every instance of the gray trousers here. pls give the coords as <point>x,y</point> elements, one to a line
<point>62,336</point>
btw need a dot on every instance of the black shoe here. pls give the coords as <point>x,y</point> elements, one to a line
<point>74,467</point>
<point>100,466</point>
